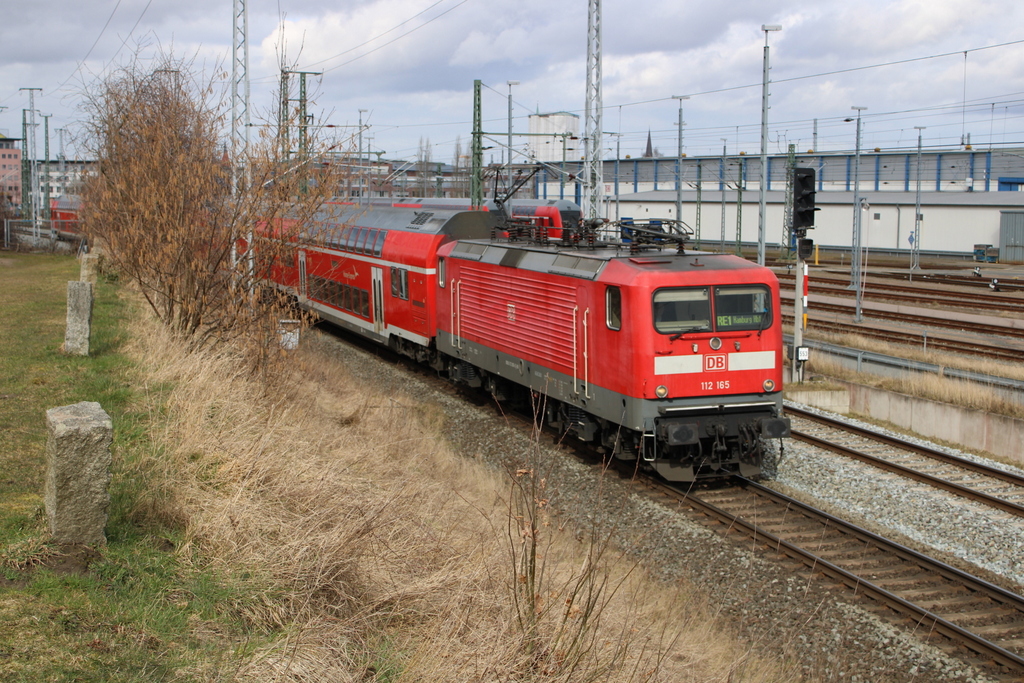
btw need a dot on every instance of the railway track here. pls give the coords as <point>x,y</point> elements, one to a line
<point>913,294</point>
<point>979,622</point>
<point>906,318</point>
<point>931,596</point>
<point>963,477</point>
<point>916,339</point>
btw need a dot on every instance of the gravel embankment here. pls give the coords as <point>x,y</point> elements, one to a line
<point>778,612</point>
<point>968,530</point>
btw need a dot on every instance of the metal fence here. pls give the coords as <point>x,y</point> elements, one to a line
<point>41,234</point>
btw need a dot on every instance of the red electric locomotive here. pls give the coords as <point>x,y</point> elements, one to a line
<point>651,353</point>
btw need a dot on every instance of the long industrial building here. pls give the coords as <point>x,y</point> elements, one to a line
<point>967,197</point>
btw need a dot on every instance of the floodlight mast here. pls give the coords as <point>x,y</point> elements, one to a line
<point>679,162</point>
<point>764,145</point>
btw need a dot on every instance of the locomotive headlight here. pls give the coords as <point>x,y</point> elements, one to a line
<point>768,385</point>
<point>661,391</point>
<point>716,343</point>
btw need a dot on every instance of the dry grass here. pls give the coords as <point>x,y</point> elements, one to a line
<point>948,360</point>
<point>932,387</point>
<point>373,552</point>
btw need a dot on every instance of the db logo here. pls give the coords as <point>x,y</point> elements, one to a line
<point>713,363</point>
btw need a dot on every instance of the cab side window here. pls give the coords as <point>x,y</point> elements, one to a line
<point>613,308</point>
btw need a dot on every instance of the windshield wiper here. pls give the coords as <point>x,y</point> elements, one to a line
<point>761,325</point>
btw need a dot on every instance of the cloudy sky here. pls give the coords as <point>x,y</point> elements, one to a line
<point>952,66</point>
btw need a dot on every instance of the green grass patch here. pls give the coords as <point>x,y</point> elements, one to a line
<point>135,609</point>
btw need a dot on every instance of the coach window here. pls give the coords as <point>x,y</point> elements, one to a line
<point>353,237</point>
<point>743,307</point>
<point>400,283</point>
<point>342,237</point>
<point>365,235</point>
<point>682,310</point>
<point>378,245</point>
<point>613,308</point>
<point>371,239</point>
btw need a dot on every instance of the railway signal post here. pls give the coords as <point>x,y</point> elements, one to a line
<point>803,220</point>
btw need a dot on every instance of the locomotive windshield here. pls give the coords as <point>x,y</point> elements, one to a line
<point>682,310</point>
<point>746,307</point>
<point>736,308</point>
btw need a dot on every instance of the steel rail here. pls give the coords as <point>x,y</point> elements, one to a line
<point>922,616</point>
<point>881,463</point>
<point>923,320</point>
<point>914,338</point>
<point>906,294</point>
<point>897,442</point>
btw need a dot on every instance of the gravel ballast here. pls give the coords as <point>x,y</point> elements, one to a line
<point>779,613</point>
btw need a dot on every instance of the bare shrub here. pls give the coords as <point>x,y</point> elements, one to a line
<point>371,552</point>
<point>174,214</point>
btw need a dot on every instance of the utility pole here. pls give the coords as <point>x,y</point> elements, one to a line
<point>915,242</point>
<point>26,168</point>
<point>60,161</point>
<point>679,161</point>
<point>593,178</point>
<point>618,154</point>
<point>857,277</point>
<point>508,166</point>
<point>476,181</point>
<point>739,209</point>
<point>359,159</point>
<point>696,227</point>
<point>721,184</point>
<point>46,169</point>
<point>764,146</point>
<point>33,169</point>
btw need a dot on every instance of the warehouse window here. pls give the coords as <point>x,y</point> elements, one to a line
<point>613,308</point>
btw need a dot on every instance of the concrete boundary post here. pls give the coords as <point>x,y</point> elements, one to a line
<point>89,266</point>
<point>76,492</point>
<point>79,321</point>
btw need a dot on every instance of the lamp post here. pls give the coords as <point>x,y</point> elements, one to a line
<point>721,180</point>
<point>359,160</point>
<point>618,153</point>
<point>509,164</point>
<point>915,247</point>
<point>764,145</point>
<point>856,277</point>
<point>679,161</point>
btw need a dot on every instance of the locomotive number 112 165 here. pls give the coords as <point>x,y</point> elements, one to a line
<point>712,386</point>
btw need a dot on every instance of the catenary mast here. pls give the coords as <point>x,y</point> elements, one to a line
<point>593,180</point>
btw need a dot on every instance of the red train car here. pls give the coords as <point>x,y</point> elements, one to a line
<point>372,269</point>
<point>554,214</point>
<point>670,358</point>
<point>673,358</point>
<point>65,213</point>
